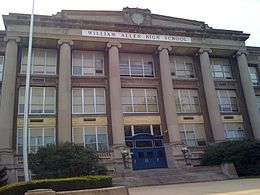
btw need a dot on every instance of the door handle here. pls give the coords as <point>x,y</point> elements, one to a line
<point>157,159</point>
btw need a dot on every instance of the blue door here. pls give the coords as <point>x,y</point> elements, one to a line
<point>148,152</point>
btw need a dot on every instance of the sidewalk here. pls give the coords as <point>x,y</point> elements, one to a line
<point>227,187</point>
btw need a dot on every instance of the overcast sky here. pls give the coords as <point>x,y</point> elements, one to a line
<point>242,15</point>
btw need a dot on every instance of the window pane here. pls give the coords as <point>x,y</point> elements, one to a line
<point>48,135</point>
<point>37,100</point>
<point>78,135</point>
<point>142,129</point>
<point>128,131</point>
<point>21,100</point>
<point>77,100</point>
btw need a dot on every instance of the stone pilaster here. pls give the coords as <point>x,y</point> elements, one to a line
<point>64,93</point>
<point>8,94</point>
<point>168,95</point>
<point>172,149</point>
<point>116,102</point>
<point>211,95</point>
<point>249,92</point>
<point>7,114</point>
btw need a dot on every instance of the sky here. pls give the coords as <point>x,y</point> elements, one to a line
<point>241,15</point>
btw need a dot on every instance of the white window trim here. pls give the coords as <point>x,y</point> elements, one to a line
<point>193,130</point>
<point>146,104</point>
<point>45,62</point>
<point>43,101</point>
<point>82,64</point>
<point>190,103</point>
<point>29,137</point>
<point>142,64</point>
<point>84,133</point>
<point>222,70</point>
<point>229,102</point>
<point>83,103</point>
<point>185,68</point>
<point>236,132</point>
<point>2,65</point>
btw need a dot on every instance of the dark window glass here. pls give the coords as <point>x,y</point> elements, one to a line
<point>157,130</point>
<point>144,144</point>
<point>142,129</point>
<point>128,131</point>
<point>158,143</point>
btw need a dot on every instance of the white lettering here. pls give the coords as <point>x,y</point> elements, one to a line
<point>137,36</point>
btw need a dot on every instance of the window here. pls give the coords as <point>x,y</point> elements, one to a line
<point>135,65</point>
<point>182,66</point>
<point>187,101</point>
<point>88,101</point>
<point>87,63</point>
<point>192,134</point>
<point>42,100</point>
<point>227,101</point>
<point>94,137</point>
<point>234,131</point>
<point>38,136</point>
<point>131,130</point>
<point>220,68</point>
<point>44,61</point>
<point>258,102</point>
<point>139,100</point>
<point>2,58</point>
<point>254,75</point>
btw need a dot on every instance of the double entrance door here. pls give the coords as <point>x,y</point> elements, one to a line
<point>148,152</point>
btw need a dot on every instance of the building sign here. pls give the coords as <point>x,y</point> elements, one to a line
<point>135,36</point>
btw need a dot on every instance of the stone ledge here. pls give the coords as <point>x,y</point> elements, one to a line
<point>119,190</point>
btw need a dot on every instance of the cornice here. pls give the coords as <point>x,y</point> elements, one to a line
<point>53,21</point>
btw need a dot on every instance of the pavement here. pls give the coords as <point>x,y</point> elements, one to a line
<point>227,187</point>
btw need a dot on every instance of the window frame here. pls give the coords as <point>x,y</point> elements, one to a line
<point>222,65</point>
<point>83,101</point>
<point>33,63</point>
<point>235,130</point>
<point>256,73</point>
<point>83,128</point>
<point>29,138</point>
<point>93,54</point>
<point>146,101</point>
<point>173,67</point>
<point>43,101</point>
<point>130,66</point>
<point>179,98</point>
<point>2,67</point>
<point>227,91</point>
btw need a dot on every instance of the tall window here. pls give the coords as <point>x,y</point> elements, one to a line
<point>87,63</point>
<point>182,66</point>
<point>1,67</point>
<point>187,100</point>
<point>220,68</point>
<point>42,100</point>
<point>234,131</point>
<point>94,137</point>
<point>227,101</point>
<point>44,61</point>
<point>135,65</point>
<point>258,102</point>
<point>88,101</point>
<point>254,75</point>
<point>189,133</point>
<point>139,100</point>
<point>38,136</point>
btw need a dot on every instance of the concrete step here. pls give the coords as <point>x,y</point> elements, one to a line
<point>167,176</point>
